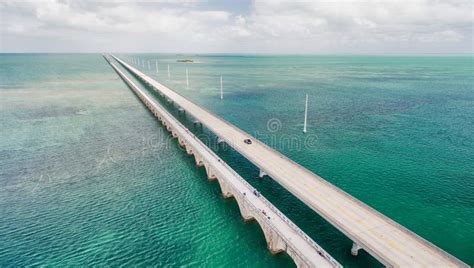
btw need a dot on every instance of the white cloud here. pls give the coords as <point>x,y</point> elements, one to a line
<point>270,26</point>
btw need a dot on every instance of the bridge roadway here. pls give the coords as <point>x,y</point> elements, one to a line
<point>383,238</point>
<point>280,233</point>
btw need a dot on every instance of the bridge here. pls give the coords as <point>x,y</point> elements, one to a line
<point>383,238</point>
<point>280,233</point>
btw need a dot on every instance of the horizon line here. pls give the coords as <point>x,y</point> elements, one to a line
<point>255,53</point>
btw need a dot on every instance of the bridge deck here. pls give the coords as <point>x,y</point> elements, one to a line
<point>386,240</point>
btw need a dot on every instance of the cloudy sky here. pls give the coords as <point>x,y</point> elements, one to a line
<point>238,26</point>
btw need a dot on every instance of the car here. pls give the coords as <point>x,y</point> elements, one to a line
<point>248,141</point>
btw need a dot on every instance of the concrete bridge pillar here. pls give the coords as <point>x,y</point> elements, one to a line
<point>198,159</point>
<point>189,150</point>
<point>274,242</point>
<point>243,206</point>
<point>300,263</point>
<point>181,142</point>
<point>262,173</point>
<point>211,175</point>
<point>225,189</point>
<point>355,249</point>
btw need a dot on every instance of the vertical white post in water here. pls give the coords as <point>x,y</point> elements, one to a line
<point>305,114</point>
<point>222,92</point>
<point>187,79</point>
<point>156,63</point>
<point>169,72</point>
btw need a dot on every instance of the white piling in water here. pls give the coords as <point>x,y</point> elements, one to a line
<point>305,114</point>
<point>187,79</point>
<point>169,76</point>
<point>222,92</point>
<point>157,70</point>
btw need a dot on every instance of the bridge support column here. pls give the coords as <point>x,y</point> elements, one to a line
<point>355,249</point>
<point>243,206</point>
<point>220,140</point>
<point>226,193</point>
<point>300,263</point>
<point>274,242</point>
<point>189,150</point>
<point>262,173</point>
<point>211,175</point>
<point>198,160</point>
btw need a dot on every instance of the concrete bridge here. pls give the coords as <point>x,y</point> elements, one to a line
<point>386,240</point>
<point>280,233</point>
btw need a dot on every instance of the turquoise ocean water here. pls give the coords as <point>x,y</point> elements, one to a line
<point>89,177</point>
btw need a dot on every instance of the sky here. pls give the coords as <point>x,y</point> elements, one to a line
<point>239,26</point>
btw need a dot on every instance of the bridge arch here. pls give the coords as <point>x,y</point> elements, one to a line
<point>274,242</point>
<point>244,209</point>
<point>225,189</point>
<point>199,161</point>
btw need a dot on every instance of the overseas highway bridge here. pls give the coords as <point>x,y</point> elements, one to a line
<point>389,242</point>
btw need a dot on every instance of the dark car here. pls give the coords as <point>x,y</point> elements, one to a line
<point>248,141</point>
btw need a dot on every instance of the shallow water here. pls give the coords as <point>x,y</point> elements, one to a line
<point>88,176</point>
